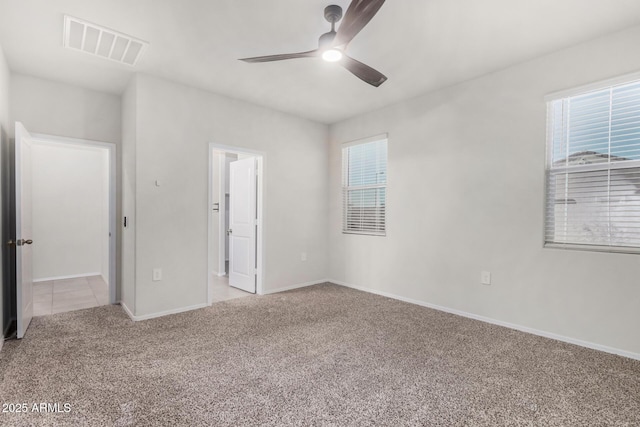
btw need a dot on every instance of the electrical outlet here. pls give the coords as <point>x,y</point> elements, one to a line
<point>485,278</point>
<point>303,256</point>
<point>157,274</point>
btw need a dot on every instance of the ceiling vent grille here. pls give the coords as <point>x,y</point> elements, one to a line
<point>102,42</point>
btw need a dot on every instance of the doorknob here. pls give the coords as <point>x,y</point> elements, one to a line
<point>229,231</point>
<point>24,242</point>
<point>11,243</point>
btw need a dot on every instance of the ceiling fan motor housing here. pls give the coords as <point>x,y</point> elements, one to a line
<point>333,13</point>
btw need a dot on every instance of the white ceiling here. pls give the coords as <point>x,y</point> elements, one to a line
<point>421,45</point>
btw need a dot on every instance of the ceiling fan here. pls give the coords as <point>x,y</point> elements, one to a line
<point>332,45</point>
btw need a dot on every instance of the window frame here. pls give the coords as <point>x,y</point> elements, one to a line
<point>567,169</point>
<point>345,188</point>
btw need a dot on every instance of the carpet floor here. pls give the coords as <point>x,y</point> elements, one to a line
<point>323,355</point>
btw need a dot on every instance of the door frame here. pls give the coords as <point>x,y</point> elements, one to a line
<point>260,242</point>
<point>113,241</point>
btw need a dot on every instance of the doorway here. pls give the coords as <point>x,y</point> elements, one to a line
<point>65,192</point>
<point>235,223</point>
<point>70,191</point>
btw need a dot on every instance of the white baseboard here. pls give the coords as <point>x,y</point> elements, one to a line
<point>126,310</point>
<point>1,342</point>
<point>72,276</point>
<point>292,287</point>
<point>526,329</point>
<point>161,313</point>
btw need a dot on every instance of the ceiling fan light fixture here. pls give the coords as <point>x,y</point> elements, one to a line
<point>332,55</point>
<point>332,45</point>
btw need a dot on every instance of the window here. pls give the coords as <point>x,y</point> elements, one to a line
<point>364,186</point>
<point>593,170</point>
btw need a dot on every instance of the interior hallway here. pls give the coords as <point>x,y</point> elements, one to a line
<point>59,296</point>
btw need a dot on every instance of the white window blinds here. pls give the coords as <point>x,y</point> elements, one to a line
<point>364,187</point>
<point>593,170</point>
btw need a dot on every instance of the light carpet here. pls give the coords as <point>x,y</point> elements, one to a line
<point>323,355</point>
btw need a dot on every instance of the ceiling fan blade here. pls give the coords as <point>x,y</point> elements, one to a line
<point>359,13</point>
<point>281,57</point>
<point>363,71</point>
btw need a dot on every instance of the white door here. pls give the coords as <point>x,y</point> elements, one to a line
<point>242,224</point>
<point>24,273</point>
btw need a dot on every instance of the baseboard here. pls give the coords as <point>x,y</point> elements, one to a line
<point>581,343</point>
<point>126,310</point>
<point>292,287</point>
<point>1,342</point>
<point>72,276</point>
<point>161,313</point>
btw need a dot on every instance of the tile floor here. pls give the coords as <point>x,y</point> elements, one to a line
<point>221,291</point>
<point>59,296</point>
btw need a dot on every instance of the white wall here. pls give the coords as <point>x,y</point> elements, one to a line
<point>175,124</point>
<point>216,216</point>
<point>104,270</point>
<point>70,186</point>
<point>52,108</point>
<point>465,194</point>
<point>4,181</point>
<point>4,91</point>
<point>44,106</point>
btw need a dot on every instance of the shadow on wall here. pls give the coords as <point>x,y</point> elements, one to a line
<point>8,233</point>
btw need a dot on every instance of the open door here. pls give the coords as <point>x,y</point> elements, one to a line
<point>24,272</point>
<point>242,224</point>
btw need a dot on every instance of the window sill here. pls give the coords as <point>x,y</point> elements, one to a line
<point>365,233</point>
<point>594,248</point>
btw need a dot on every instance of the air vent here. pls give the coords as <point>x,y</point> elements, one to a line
<point>101,41</point>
